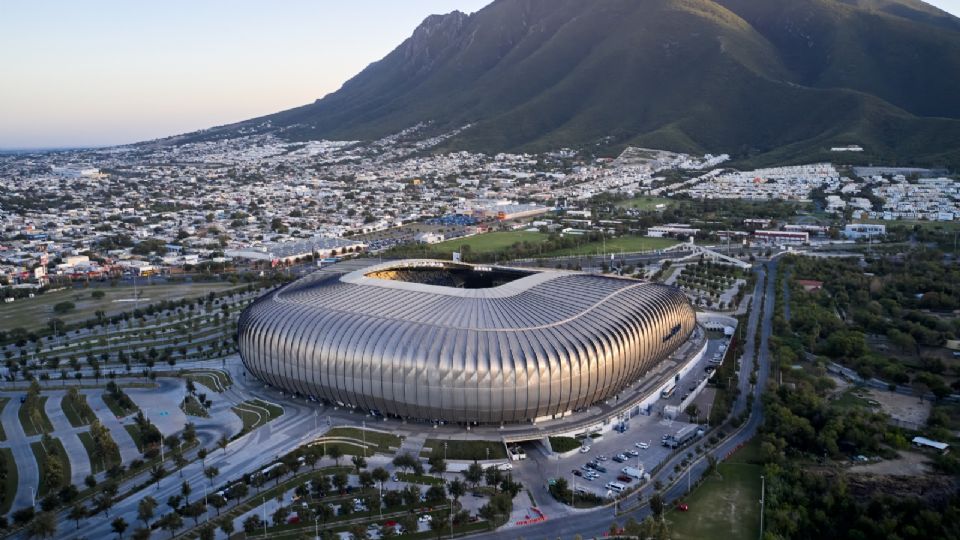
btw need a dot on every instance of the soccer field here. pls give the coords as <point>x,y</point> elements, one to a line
<point>487,243</point>
<point>499,241</point>
<point>724,507</point>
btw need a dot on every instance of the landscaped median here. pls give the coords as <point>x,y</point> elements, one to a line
<point>76,409</point>
<point>53,464</point>
<point>255,413</point>
<point>469,450</point>
<point>360,442</point>
<point>8,477</point>
<point>32,415</point>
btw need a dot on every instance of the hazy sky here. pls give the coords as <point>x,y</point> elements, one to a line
<point>98,72</point>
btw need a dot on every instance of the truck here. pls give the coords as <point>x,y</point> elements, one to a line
<point>632,472</point>
<point>682,436</point>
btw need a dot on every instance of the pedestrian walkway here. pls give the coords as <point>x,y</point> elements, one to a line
<point>76,453</point>
<point>128,448</point>
<point>28,480</point>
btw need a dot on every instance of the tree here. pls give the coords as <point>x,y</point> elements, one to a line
<point>227,527</point>
<point>207,532</point>
<point>194,510</point>
<point>157,472</point>
<point>405,461</point>
<point>202,454</point>
<point>171,522</point>
<point>474,474</point>
<point>119,526</point>
<point>185,490</point>
<point>217,501</point>
<point>77,512</point>
<point>280,515</point>
<point>657,505</point>
<point>437,464</point>
<point>141,533</point>
<point>223,442</point>
<point>44,525</point>
<point>334,452</point>
<point>358,463</point>
<point>366,479</point>
<point>340,481</point>
<point>439,523</point>
<point>145,510</point>
<point>211,472</point>
<point>380,475</point>
<point>457,489</point>
<point>692,411</point>
<point>252,524</point>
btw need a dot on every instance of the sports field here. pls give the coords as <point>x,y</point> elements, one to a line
<point>32,313</point>
<point>644,203</point>
<point>499,241</point>
<point>724,507</point>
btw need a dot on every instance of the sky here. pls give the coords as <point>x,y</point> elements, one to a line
<point>103,72</point>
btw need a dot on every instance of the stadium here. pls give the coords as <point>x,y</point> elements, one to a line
<point>445,341</point>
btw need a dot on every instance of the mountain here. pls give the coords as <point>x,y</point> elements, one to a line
<point>764,80</point>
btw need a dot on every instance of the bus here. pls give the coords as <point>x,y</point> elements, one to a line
<point>668,391</point>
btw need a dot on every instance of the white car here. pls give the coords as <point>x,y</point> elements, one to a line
<point>426,518</point>
<point>642,445</point>
<point>584,449</point>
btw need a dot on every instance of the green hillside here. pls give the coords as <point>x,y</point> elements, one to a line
<point>760,79</point>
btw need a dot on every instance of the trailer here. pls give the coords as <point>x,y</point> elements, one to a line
<point>632,472</point>
<point>682,436</point>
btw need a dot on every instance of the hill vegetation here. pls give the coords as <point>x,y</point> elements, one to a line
<point>765,81</point>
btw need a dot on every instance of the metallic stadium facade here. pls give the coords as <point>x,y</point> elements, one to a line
<point>434,340</point>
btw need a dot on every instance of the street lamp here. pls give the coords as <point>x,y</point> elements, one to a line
<point>763,490</point>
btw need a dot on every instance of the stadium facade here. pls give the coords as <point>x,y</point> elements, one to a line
<point>437,340</point>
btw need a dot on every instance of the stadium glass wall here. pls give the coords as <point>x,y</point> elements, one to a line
<point>539,346</point>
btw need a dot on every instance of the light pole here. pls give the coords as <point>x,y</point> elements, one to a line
<point>763,490</point>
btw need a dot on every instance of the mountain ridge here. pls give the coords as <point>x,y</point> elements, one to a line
<point>761,80</point>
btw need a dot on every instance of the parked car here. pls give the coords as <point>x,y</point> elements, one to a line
<point>577,472</point>
<point>425,518</point>
<point>642,445</point>
<point>633,453</point>
<point>584,449</point>
<point>619,458</point>
<point>625,478</point>
<point>683,507</point>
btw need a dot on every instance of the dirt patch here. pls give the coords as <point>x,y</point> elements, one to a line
<point>907,409</point>
<point>908,464</point>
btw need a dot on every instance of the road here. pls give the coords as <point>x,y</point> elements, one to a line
<point>597,522</point>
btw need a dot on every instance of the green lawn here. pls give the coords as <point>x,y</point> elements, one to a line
<point>95,465</point>
<point>215,380</point>
<point>466,449</point>
<point>78,413</point>
<point>724,507</point>
<point>378,441</point>
<point>3,403</point>
<point>497,241</point>
<point>192,407</point>
<point>625,244</point>
<point>115,407</point>
<point>134,432</point>
<point>33,313</point>
<point>41,455</point>
<point>644,203</point>
<point>33,417</point>
<point>850,399</point>
<point>255,413</point>
<point>563,444</point>
<point>419,479</point>
<point>487,243</point>
<point>9,479</point>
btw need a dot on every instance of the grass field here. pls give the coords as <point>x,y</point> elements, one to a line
<point>487,243</point>
<point>77,413</point>
<point>625,244</point>
<point>32,313</point>
<point>498,241</point>
<point>9,479</point>
<point>33,417</point>
<point>95,465</point>
<point>378,441</point>
<point>40,454</point>
<point>465,449</point>
<point>255,413</point>
<point>724,507</point>
<point>643,203</point>
<point>134,432</point>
